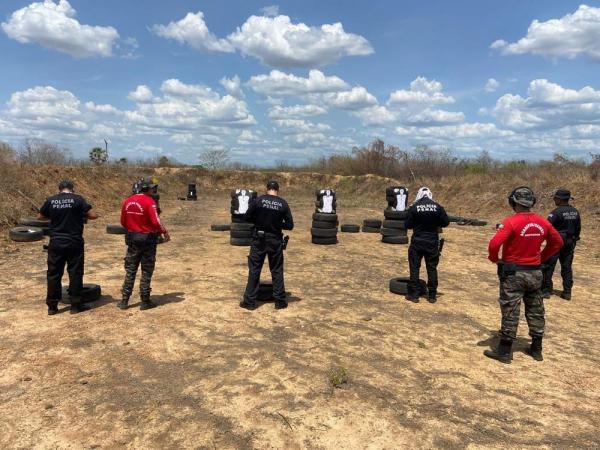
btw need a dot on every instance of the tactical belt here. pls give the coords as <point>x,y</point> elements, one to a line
<point>527,267</point>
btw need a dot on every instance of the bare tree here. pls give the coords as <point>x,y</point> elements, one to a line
<point>41,153</point>
<point>214,159</point>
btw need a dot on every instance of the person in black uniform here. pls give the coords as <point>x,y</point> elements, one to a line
<point>67,213</point>
<point>425,217</point>
<point>270,214</point>
<point>567,221</point>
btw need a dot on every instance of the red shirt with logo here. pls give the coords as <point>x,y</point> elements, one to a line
<point>139,214</point>
<point>521,236</point>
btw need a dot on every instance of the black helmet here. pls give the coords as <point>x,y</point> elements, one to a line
<point>523,196</point>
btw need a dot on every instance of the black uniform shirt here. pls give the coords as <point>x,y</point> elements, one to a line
<point>425,217</point>
<point>567,221</point>
<point>67,212</point>
<point>270,214</point>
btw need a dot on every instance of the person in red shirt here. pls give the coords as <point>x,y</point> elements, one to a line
<point>139,216</point>
<point>521,237</point>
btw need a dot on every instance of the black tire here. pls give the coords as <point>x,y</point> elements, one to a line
<point>392,232</point>
<point>220,227</point>
<point>324,240</point>
<point>372,223</point>
<point>323,232</point>
<point>455,218</point>
<point>394,239</point>
<point>240,242</point>
<point>324,217</point>
<point>326,225</point>
<point>370,230</point>
<point>350,228</point>
<point>463,222</point>
<point>478,223</point>
<point>238,218</point>
<point>46,231</point>
<point>242,226</point>
<point>26,234</point>
<point>241,234</point>
<point>400,286</point>
<point>398,224</point>
<point>265,292</point>
<point>33,222</point>
<point>395,215</point>
<point>90,293</point>
<point>115,229</point>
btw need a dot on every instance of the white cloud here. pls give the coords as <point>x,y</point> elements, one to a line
<point>434,117</point>
<point>53,26</point>
<point>247,137</point>
<point>278,84</point>
<point>142,94</point>
<point>192,30</point>
<point>568,37</point>
<point>102,109</point>
<point>297,111</point>
<point>450,132</point>
<point>491,85</point>
<point>548,105</point>
<point>354,99</point>
<point>270,11</point>
<point>233,86</point>
<point>422,91</point>
<point>278,42</point>
<point>376,115</point>
<point>295,126</point>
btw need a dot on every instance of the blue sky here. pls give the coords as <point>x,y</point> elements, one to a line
<point>301,79</point>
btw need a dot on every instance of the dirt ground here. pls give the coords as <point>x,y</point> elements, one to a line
<point>199,372</point>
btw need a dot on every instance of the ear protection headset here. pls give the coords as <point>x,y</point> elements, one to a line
<point>511,197</point>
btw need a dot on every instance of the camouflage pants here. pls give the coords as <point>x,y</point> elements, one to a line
<point>523,285</point>
<point>136,255</point>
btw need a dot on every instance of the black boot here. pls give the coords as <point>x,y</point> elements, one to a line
<point>502,353</point>
<point>52,309</point>
<point>546,294</point>
<point>124,303</point>
<point>535,351</point>
<point>432,297</point>
<point>247,305</point>
<point>566,294</point>
<point>147,303</point>
<point>281,304</point>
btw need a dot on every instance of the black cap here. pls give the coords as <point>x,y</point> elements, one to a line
<point>272,186</point>
<point>66,184</point>
<point>145,185</point>
<point>563,194</point>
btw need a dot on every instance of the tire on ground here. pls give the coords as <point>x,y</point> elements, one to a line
<point>324,232</point>
<point>240,242</point>
<point>372,223</point>
<point>46,231</point>
<point>324,240</point>
<point>33,222</point>
<point>478,223</point>
<point>89,293</point>
<point>220,227</point>
<point>370,229</point>
<point>324,217</point>
<point>115,229</point>
<point>265,292</point>
<point>400,286</point>
<point>238,218</point>
<point>320,224</point>
<point>242,226</point>
<point>241,234</point>
<point>395,215</point>
<point>398,224</point>
<point>394,239</point>
<point>350,228</point>
<point>26,234</point>
<point>392,232</point>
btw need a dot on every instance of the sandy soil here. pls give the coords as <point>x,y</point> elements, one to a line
<point>199,372</point>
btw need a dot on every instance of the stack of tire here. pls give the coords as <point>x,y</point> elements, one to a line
<point>324,228</point>
<point>393,230</point>
<point>240,232</point>
<point>30,230</point>
<point>371,226</point>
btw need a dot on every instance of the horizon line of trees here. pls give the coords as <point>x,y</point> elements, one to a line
<point>376,158</point>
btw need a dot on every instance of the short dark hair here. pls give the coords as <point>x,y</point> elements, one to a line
<point>66,184</point>
<point>272,186</point>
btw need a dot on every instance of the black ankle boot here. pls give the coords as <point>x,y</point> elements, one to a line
<point>502,353</point>
<point>52,309</point>
<point>535,351</point>
<point>147,303</point>
<point>566,294</point>
<point>124,303</point>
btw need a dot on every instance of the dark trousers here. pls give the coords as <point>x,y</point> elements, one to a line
<point>71,255</point>
<point>271,247</point>
<point>139,254</point>
<point>521,286</point>
<point>565,256</point>
<point>428,250</point>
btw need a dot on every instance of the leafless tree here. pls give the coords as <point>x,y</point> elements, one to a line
<point>214,159</point>
<point>41,153</point>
